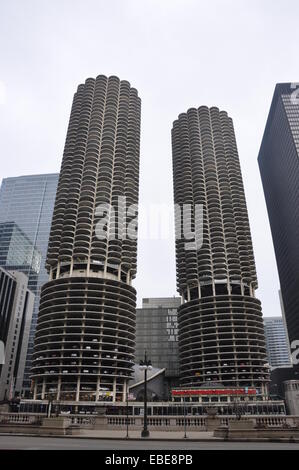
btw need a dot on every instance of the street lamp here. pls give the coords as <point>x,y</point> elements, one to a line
<point>127,398</point>
<point>237,409</point>
<point>145,365</point>
<point>185,424</point>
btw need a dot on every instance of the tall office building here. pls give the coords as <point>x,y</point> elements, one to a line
<point>279,167</point>
<point>221,336</point>
<point>157,334</point>
<point>276,341</point>
<point>16,307</point>
<point>85,335</point>
<point>26,208</point>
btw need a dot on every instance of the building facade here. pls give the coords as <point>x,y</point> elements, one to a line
<point>276,341</point>
<point>291,390</point>
<point>16,249</point>
<point>285,325</point>
<point>157,334</point>
<point>7,293</point>
<point>27,202</point>
<point>279,167</point>
<point>155,385</point>
<point>17,327</point>
<point>85,335</point>
<point>221,336</point>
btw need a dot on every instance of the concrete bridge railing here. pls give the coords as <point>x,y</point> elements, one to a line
<point>170,423</point>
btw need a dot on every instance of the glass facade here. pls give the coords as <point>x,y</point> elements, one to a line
<point>89,296</point>
<point>276,340</point>
<point>157,333</point>
<point>16,249</point>
<point>279,167</point>
<point>27,202</point>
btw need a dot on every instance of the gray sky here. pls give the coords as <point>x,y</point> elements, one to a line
<point>178,54</point>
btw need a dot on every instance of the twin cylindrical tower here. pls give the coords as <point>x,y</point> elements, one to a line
<point>85,335</point>
<point>221,335</point>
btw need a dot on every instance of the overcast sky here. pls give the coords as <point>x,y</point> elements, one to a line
<point>178,54</point>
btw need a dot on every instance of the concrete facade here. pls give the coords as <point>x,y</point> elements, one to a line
<point>85,335</point>
<point>221,336</point>
<point>291,390</point>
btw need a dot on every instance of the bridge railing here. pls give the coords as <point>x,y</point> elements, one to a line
<point>154,422</point>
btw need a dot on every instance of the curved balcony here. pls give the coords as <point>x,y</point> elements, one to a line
<point>222,338</point>
<point>71,344</point>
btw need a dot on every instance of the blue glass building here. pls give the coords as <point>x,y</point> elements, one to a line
<point>17,251</point>
<point>28,202</point>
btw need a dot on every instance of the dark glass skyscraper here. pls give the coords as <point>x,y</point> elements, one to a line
<point>221,335</point>
<point>85,335</point>
<point>279,167</point>
<point>26,209</point>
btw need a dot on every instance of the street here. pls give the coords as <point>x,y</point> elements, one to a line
<point>69,443</point>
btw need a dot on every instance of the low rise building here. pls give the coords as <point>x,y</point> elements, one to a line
<point>227,400</point>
